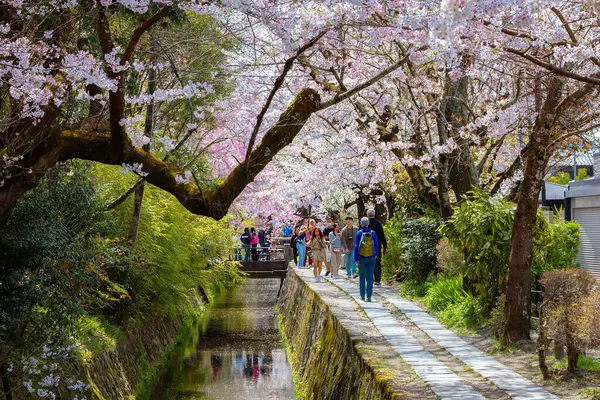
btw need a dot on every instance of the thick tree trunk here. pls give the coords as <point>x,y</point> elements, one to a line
<point>572,358</point>
<point>518,286</point>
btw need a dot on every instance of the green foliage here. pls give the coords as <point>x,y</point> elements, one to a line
<point>555,246</point>
<point>99,334</point>
<point>482,226</point>
<point>419,248</point>
<point>71,286</point>
<point>585,363</point>
<point>561,178</point>
<point>581,174</point>
<point>392,262</point>
<point>413,289</point>
<point>176,244</point>
<point>444,292</point>
<point>46,249</point>
<point>450,259</point>
<point>464,315</point>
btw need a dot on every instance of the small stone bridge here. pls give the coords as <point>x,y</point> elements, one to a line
<point>264,262</point>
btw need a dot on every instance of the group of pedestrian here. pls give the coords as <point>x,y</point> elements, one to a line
<point>255,243</point>
<point>353,247</point>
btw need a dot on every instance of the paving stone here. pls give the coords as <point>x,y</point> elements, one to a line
<point>517,386</point>
<point>443,381</point>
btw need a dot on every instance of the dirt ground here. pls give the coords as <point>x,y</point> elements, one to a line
<point>584,386</point>
<point>524,361</point>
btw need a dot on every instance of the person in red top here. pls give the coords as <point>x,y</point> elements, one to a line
<point>254,244</point>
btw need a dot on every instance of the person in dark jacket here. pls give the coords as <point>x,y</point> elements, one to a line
<point>245,238</point>
<point>377,227</point>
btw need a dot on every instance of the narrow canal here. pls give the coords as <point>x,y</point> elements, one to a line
<point>235,353</point>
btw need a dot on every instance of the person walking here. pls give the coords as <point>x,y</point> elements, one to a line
<point>335,247</point>
<point>317,247</point>
<point>245,238</point>
<point>293,240</point>
<point>365,255</point>
<point>377,227</point>
<point>301,246</point>
<point>312,225</point>
<point>327,229</point>
<point>348,234</point>
<point>254,244</point>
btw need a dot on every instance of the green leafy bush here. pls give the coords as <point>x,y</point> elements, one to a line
<point>444,292</point>
<point>482,226</point>
<point>555,245</point>
<point>391,264</point>
<point>464,315</point>
<point>419,254</point>
<point>414,289</point>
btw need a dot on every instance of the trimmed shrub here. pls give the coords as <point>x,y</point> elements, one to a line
<point>569,314</point>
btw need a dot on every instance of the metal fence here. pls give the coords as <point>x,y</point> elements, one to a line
<point>279,252</point>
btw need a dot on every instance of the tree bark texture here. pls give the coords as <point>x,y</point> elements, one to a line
<point>518,286</point>
<point>98,146</point>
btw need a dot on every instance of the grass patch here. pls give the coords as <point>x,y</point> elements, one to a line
<point>413,290</point>
<point>445,297</point>
<point>584,363</point>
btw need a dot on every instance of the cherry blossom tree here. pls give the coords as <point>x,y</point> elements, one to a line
<point>42,69</point>
<point>462,94</point>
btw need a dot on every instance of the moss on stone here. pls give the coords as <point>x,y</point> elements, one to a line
<point>326,362</point>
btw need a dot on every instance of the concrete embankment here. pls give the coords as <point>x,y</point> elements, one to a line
<point>335,351</point>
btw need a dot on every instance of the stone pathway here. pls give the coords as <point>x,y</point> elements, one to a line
<point>445,383</point>
<point>441,379</point>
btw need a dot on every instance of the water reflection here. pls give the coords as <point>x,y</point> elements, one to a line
<point>235,353</point>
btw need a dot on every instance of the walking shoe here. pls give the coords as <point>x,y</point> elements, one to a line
<point>368,299</point>
<point>316,279</point>
<point>355,276</point>
<point>326,273</point>
<point>362,298</point>
<point>377,283</point>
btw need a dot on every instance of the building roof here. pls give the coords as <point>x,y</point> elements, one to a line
<point>586,187</point>
<point>566,160</point>
<point>554,191</point>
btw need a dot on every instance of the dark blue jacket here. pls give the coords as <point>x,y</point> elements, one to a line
<point>357,256</point>
<point>378,228</point>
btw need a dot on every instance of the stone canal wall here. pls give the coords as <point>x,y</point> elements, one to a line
<point>130,369</point>
<point>329,360</point>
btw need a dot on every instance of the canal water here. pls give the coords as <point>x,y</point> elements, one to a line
<point>235,353</point>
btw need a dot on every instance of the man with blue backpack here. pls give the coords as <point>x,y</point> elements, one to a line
<point>366,247</point>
